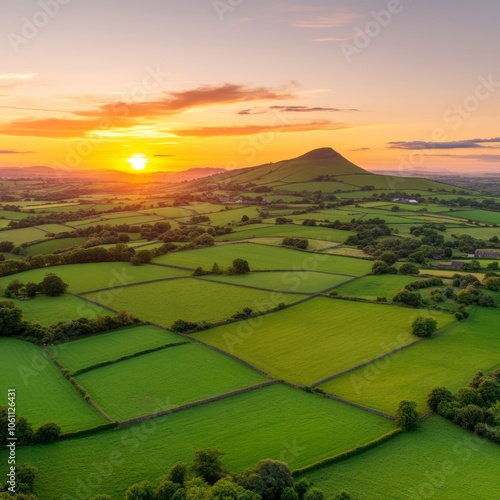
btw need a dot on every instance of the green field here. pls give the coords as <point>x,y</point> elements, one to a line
<point>87,277</point>
<point>287,230</point>
<point>440,460</point>
<point>49,246</point>
<point>191,299</point>
<point>393,182</point>
<point>326,187</point>
<point>371,287</point>
<point>479,215</point>
<point>110,346</point>
<point>224,217</point>
<point>319,338</point>
<point>287,281</point>
<point>42,394</point>
<point>265,258</point>
<point>449,360</point>
<point>50,310</point>
<point>276,422</point>
<point>136,387</point>
<point>24,235</point>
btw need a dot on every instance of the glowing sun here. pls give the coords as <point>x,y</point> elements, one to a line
<point>138,162</point>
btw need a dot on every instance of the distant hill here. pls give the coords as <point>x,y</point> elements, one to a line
<point>45,172</point>
<point>321,169</point>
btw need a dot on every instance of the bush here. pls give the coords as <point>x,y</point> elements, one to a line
<point>47,433</point>
<point>438,395</point>
<point>407,416</point>
<point>424,327</point>
<point>408,268</point>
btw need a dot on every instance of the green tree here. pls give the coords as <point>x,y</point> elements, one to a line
<point>13,289</point>
<point>10,319</point>
<point>177,474</point>
<point>269,478</point>
<point>166,490</point>
<point>47,433</point>
<point>380,267</point>
<point>390,258</point>
<point>407,415</point>
<point>469,416</point>
<point>140,491</point>
<point>408,268</point>
<point>31,289</point>
<point>289,494</point>
<point>424,327</point>
<point>216,269</point>
<point>52,285</point>
<point>314,494</point>
<point>207,464</point>
<point>301,486</point>
<point>438,395</point>
<point>241,266</point>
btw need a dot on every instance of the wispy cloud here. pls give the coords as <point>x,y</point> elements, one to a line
<point>339,17</point>
<point>122,114</point>
<point>361,149</point>
<point>290,109</point>
<point>256,129</point>
<point>17,76</point>
<point>14,152</point>
<point>464,144</point>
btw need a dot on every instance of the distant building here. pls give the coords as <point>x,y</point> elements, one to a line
<point>405,200</point>
<point>486,254</point>
<point>451,265</point>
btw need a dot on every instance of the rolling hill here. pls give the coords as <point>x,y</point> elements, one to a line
<point>324,169</point>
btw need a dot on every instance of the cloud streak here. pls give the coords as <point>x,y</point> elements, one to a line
<point>464,144</point>
<point>122,114</point>
<point>256,129</point>
<point>14,152</point>
<point>482,158</point>
<point>291,109</point>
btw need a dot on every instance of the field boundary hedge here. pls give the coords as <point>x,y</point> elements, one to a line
<point>93,302</point>
<point>80,389</point>
<point>347,454</point>
<point>87,432</point>
<point>360,407</point>
<point>124,358</point>
<point>366,363</point>
<point>220,351</point>
<point>194,404</point>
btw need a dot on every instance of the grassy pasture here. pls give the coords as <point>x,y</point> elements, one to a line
<point>288,230</point>
<point>262,257</point>
<point>24,235</point>
<point>51,245</point>
<point>371,287</point>
<point>9,215</point>
<point>43,394</point>
<point>221,218</point>
<point>393,182</point>
<point>87,277</point>
<point>190,299</point>
<point>478,215</point>
<point>53,228</point>
<point>89,351</point>
<point>319,338</point>
<point>287,281</point>
<point>247,427</point>
<point>439,460</point>
<point>50,310</point>
<point>326,187</point>
<point>449,360</point>
<point>139,386</point>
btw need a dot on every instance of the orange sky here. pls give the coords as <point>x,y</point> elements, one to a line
<point>390,84</point>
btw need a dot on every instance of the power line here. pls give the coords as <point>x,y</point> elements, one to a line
<point>38,109</point>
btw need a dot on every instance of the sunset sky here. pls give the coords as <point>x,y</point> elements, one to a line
<point>390,84</point>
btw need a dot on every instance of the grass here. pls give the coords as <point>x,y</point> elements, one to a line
<point>287,281</point>
<point>371,287</point>
<point>479,215</point>
<point>42,393</point>
<point>449,360</point>
<point>24,235</point>
<point>288,230</point>
<point>263,258</point>
<point>439,460</point>
<point>276,422</point>
<point>326,187</point>
<point>109,346</point>
<point>319,338</point>
<point>51,245</point>
<point>223,217</point>
<point>194,300</point>
<point>86,277</point>
<point>50,310</point>
<point>137,386</point>
<point>393,182</point>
